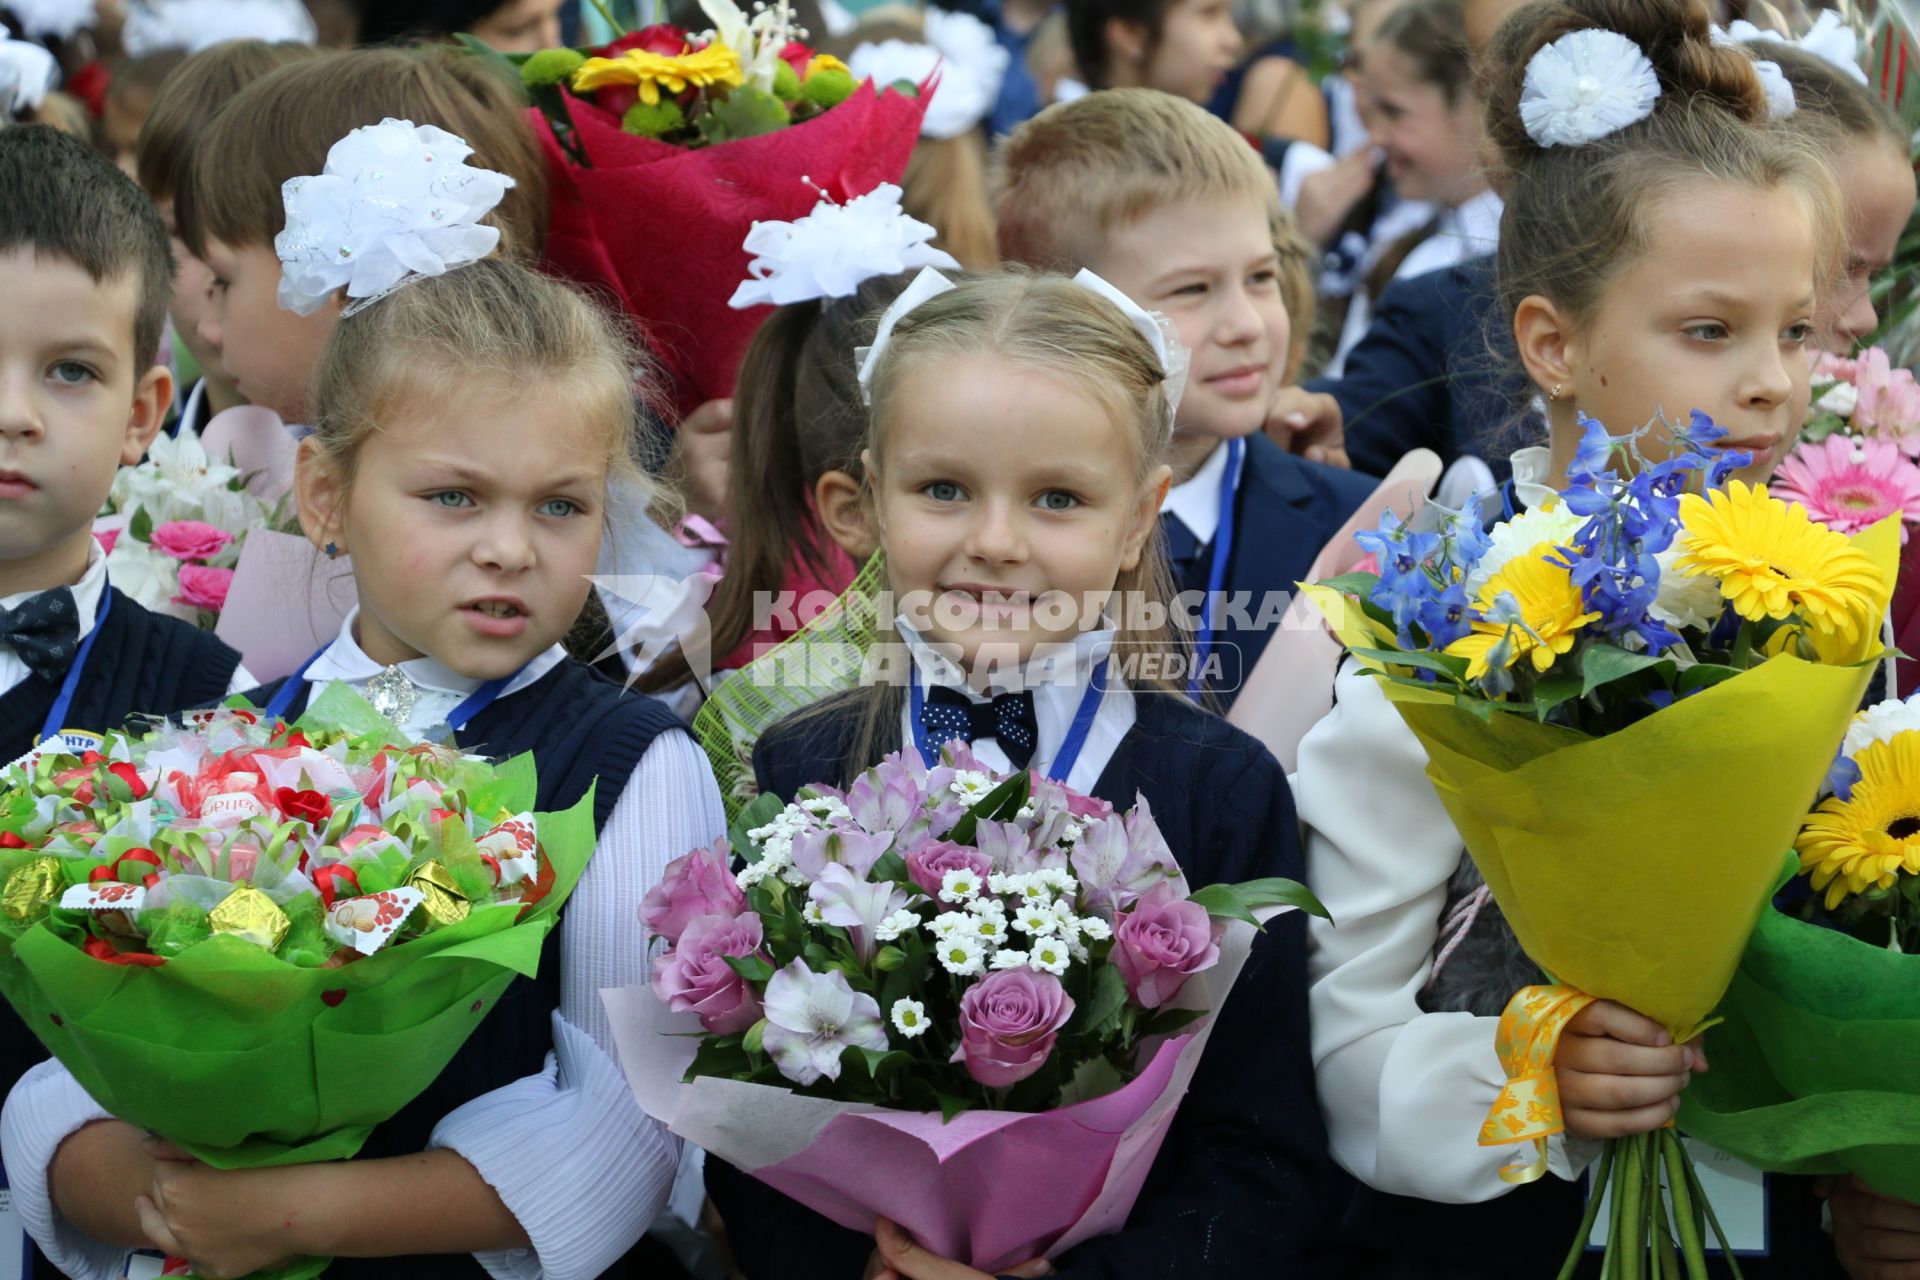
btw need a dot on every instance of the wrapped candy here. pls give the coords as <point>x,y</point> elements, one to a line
<point>441,901</point>
<point>30,890</point>
<point>248,913</point>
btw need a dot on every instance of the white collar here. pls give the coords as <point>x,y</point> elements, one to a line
<point>1477,220</point>
<point>345,660</point>
<point>1195,502</point>
<point>1530,468</point>
<point>86,592</point>
<point>1059,665</point>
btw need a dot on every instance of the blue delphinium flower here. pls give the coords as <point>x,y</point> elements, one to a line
<point>1446,616</point>
<point>1405,581</point>
<point>1843,776</point>
<point>1465,537</point>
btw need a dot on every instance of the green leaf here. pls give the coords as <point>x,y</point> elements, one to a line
<point>884,1064</point>
<point>1605,663</point>
<point>1553,689</point>
<point>890,866</point>
<point>1276,891</point>
<point>1002,802</point>
<point>752,968</point>
<point>1101,1011</point>
<point>1168,1021</point>
<point>140,528</point>
<point>1453,668</point>
<point>725,1058</point>
<point>1352,584</point>
<point>1702,675</point>
<point>764,809</point>
<point>1094,1078</point>
<point>1222,903</point>
<point>950,1106</point>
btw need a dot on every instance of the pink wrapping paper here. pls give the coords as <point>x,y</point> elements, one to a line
<point>991,1188</point>
<point>286,601</point>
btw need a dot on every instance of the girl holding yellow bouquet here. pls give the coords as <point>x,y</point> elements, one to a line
<point>1645,184</point>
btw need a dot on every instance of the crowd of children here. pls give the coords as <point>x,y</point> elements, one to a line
<point>1185,306</point>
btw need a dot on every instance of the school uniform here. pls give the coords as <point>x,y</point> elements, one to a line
<point>534,1100</point>
<point>1284,509</point>
<point>1470,230</point>
<point>1436,370</point>
<point>1239,1187</point>
<point>1405,1059</point>
<point>136,661</point>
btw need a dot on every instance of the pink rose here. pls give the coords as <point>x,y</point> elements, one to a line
<point>1008,1022</point>
<point>204,588</point>
<point>929,864</point>
<point>700,883</point>
<point>695,976</point>
<point>189,539</point>
<point>106,538</point>
<point>1161,943</point>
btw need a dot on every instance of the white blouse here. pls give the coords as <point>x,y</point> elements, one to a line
<point>538,1141</point>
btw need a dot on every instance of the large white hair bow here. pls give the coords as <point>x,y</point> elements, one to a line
<point>27,72</point>
<point>53,19</point>
<point>1829,39</point>
<point>1585,86</point>
<point>835,249</point>
<point>971,62</point>
<point>194,25</point>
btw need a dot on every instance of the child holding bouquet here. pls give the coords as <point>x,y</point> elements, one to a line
<point>472,554</point>
<point>1623,306</point>
<point>1014,470</point>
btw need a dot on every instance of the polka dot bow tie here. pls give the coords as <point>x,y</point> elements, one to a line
<point>1008,719</point>
<point>44,631</point>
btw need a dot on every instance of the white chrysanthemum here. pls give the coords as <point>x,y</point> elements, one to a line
<point>1071,833</point>
<point>900,922</point>
<point>988,907</point>
<point>1035,918</point>
<point>910,1018</point>
<point>1002,883</point>
<point>991,930</point>
<point>1059,879</point>
<point>1584,86</point>
<point>1881,722</point>
<point>1094,929</point>
<point>949,923</point>
<point>1521,534</point>
<point>970,786</point>
<point>1050,955</point>
<point>959,886</point>
<point>1682,601</point>
<point>826,808</point>
<point>811,913</point>
<point>962,955</point>
<point>1009,959</point>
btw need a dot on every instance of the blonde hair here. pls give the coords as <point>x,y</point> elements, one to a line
<point>1049,325</point>
<point>490,324</point>
<point>1068,179</point>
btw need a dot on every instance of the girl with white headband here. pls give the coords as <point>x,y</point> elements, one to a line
<point>1664,249</point>
<point>1015,465</point>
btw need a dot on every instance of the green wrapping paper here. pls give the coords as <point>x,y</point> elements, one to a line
<point>1817,1066</point>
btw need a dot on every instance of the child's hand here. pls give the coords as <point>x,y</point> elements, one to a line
<point>703,453</point>
<point>1327,197</point>
<point>227,1223</point>
<point>1876,1238</point>
<point>1620,1073</point>
<point>1308,423</point>
<point>897,1257</point>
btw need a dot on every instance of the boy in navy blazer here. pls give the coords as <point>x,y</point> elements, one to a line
<point>1173,207</point>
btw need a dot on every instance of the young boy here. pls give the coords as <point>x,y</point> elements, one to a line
<point>85,271</point>
<point>1172,207</point>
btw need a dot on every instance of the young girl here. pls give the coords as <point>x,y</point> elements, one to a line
<point>1014,470</point>
<point>1673,263</point>
<point>472,553</point>
<point>1417,83</point>
<point>1182,47</point>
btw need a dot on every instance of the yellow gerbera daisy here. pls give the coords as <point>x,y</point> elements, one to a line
<point>1850,846</point>
<point>1549,604</point>
<point>649,72</point>
<point>1772,561</point>
<point>826,62</point>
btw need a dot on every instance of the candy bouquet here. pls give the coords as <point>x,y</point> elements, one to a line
<point>1685,651</point>
<point>1813,1064</point>
<point>224,930</point>
<point>666,146</point>
<point>967,1003</point>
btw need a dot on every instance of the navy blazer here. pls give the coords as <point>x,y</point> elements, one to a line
<point>1435,370</point>
<point>1243,1185</point>
<point>1285,510</point>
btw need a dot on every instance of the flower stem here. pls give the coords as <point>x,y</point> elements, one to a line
<point>1595,1184</point>
<point>1659,1223</point>
<point>606,15</point>
<point>1633,1209</point>
<point>1684,1211</point>
<point>1700,1198</point>
<point>1742,645</point>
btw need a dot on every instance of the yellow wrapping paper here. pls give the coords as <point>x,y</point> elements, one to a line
<point>1633,867</point>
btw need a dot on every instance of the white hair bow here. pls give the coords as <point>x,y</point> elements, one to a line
<point>1585,86</point>
<point>834,250</point>
<point>194,25</point>
<point>53,19</point>
<point>27,72</point>
<point>971,62</point>
<point>1829,39</point>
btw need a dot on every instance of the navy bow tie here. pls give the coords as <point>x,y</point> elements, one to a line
<point>1008,719</point>
<point>45,631</point>
<point>1183,549</point>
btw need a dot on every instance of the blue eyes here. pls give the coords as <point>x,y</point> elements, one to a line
<point>456,500</point>
<point>1055,500</point>
<point>71,373</point>
<point>559,507</point>
<point>946,491</point>
<point>451,499</point>
<point>943,491</point>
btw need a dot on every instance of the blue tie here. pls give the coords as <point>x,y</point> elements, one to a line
<point>1183,550</point>
<point>1008,720</point>
<point>44,631</point>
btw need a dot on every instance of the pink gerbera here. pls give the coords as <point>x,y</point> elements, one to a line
<point>1848,484</point>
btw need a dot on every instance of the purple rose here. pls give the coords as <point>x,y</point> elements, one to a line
<point>695,976</point>
<point>1161,943</point>
<point>929,865</point>
<point>698,884</point>
<point>1008,1021</point>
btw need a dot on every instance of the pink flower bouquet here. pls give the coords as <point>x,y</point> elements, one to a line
<point>966,1003</point>
<point>1856,461</point>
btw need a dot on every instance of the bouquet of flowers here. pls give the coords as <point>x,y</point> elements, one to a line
<point>666,146</point>
<point>1672,644</point>
<point>1858,460</point>
<point>223,929</point>
<point>1813,1064</point>
<point>915,978</point>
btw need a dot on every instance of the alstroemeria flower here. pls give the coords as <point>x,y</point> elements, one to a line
<point>812,1018</point>
<point>854,904</point>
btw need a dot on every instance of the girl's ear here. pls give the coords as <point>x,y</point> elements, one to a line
<point>319,497</point>
<point>1546,345</point>
<point>151,400</point>
<point>1126,42</point>
<point>1146,517</point>
<point>843,512</point>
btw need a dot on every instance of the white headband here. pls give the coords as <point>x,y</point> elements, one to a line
<point>396,202</point>
<point>1156,328</point>
<point>970,61</point>
<point>834,250</point>
<point>194,25</point>
<point>27,72</point>
<point>56,19</point>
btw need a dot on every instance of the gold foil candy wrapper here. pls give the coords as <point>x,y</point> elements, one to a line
<point>31,890</point>
<point>250,914</point>
<point>441,899</point>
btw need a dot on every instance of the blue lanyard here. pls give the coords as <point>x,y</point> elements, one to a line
<point>1217,571</point>
<point>476,702</point>
<point>1077,732</point>
<point>63,702</point>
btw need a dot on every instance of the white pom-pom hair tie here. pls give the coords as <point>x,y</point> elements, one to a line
<point>1585,86</point>
<point>396,202</point>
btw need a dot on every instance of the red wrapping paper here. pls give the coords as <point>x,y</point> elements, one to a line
<point>660,227</point>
